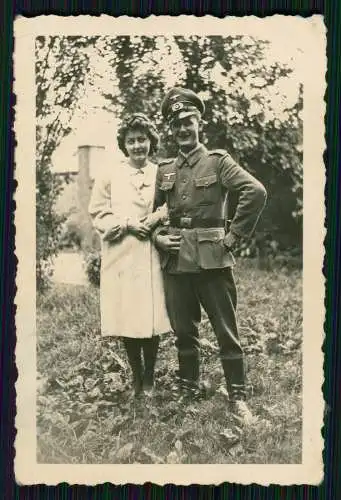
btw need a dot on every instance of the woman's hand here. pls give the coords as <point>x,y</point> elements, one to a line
<point>138,228</point>
<point>113,234</point>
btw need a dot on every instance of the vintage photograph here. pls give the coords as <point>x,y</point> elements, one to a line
<point>169,246</point>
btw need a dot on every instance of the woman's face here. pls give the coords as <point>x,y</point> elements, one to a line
<point>137,144</point>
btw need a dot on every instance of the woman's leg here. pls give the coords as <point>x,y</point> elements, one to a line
<point>133,348</point>
<point>150,348</point>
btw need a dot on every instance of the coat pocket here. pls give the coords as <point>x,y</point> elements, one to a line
<point>212,252</point>
<point>207,189</point>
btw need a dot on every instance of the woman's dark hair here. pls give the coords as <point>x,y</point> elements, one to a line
<point>138,121</point>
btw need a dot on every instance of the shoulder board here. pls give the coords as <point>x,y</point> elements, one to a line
<point>219,152</point>
<point>166,161</point>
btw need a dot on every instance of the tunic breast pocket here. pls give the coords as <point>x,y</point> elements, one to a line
<point>207,189</point>
<point>167,187</point>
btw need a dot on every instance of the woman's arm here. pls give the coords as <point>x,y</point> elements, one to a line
<point>110,226</point>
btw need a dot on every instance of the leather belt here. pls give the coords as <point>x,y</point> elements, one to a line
<point>195,222</point>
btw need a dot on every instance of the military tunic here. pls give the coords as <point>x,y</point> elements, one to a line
<point>195,188</point>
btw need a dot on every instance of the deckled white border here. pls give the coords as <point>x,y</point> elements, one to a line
<point>313,39</point>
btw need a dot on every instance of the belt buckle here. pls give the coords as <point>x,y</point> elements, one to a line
<point>186,222</point>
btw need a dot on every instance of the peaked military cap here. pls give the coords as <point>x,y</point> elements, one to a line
<point>180,103</point>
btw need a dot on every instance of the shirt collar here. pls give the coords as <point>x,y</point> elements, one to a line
<point>192,157</point>
<point>138,171</point>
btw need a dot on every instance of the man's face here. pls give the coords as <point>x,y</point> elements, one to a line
<point>186,132</point>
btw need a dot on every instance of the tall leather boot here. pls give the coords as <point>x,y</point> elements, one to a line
<point>235,382</point>
<point>150,348</point>
<point>234,377</point>
<point>134,354</point>
<point>188,375</point>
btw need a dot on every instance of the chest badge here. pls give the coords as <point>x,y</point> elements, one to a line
<point>170,176</point>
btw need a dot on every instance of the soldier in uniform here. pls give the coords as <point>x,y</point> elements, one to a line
<point>195,247</point>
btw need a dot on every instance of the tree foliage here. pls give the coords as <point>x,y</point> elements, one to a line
<point>61,70</point>
<point>253,110</point>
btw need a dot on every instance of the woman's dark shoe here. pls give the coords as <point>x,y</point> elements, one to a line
<point>150,348</point>
<point>137,386</point>
<point>148,385</point>
<point>134,353</point>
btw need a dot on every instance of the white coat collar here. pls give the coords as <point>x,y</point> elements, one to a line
<point>144,176</point>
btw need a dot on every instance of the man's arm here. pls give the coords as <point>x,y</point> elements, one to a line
<point>159,196</point>
<point>251,199</point>
<point>160,237</point>
<point>159,200</point>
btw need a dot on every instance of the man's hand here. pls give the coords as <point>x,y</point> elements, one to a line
<point>138,229</point>
<point>151,221</point>
<point>160,216</point>
<point>168,243</point>
<point>230,240</point>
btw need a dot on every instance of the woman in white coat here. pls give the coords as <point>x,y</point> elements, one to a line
<point>131,287</point>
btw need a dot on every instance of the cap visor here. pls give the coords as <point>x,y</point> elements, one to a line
<point>184,114</point>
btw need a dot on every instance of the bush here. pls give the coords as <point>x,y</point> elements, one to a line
<point>61,68</point>
<point>71,236</point>
<point>268,253</point>
<point>93,267</point>
<point>48,223</point>
<point>79,234</point>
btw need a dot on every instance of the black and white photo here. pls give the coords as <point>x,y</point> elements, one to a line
<point>169,234</point>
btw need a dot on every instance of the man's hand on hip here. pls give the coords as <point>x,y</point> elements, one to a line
<point>230,241</point>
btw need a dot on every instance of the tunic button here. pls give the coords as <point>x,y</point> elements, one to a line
<point>184,196</point>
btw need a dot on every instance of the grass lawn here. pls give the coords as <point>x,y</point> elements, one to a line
<point>84,414</point>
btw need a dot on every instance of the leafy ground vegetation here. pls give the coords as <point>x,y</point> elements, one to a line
<point>85,415</point>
